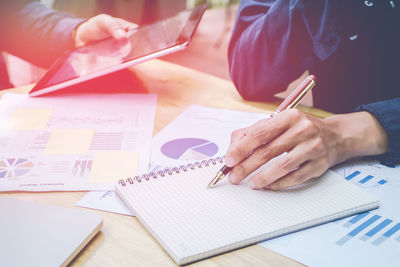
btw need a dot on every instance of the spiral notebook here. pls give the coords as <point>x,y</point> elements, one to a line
<point>191,222</point>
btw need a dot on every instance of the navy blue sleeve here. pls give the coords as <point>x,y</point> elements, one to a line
<point>275,41</point>
<point>388,114</point>
<point>34,32</point>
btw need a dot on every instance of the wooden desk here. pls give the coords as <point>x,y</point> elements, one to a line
<point>123,241</point>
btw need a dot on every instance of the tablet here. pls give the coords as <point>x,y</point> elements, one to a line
<point>109,55</point>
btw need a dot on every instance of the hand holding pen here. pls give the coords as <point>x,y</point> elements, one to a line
<point>251,147</point>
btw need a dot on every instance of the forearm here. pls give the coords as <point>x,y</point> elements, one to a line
<point>274,42</point>
<point>387,113</point>
<point>358,134</point>
<point>36,33</point>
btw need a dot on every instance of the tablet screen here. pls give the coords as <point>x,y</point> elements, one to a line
<point>109,55</point>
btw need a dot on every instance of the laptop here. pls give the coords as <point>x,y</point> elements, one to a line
<point>109,55</point>
<point>34,234</point>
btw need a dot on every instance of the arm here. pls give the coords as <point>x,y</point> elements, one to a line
<point>34,32</point>
<point>39,34</point>
<point>275,41</point>
<point>387,114</point>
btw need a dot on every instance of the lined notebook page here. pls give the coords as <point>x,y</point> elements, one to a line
<point>192,222</point>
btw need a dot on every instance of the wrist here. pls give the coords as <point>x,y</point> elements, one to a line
<point>360,134</point>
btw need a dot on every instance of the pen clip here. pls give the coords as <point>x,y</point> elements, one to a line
<point>300,96</point>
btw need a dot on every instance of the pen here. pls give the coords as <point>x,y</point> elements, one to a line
<point>290,102</point>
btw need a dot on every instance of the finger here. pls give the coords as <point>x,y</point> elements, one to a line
<point>291,138</point>
<point>238,134</point>
<point>308,171</point>
<point>111,26</point>
<point>287,163</point>
<point>258,134</point>
<point>115,27</point>
<point>127,25</point>
<point>263,155</point>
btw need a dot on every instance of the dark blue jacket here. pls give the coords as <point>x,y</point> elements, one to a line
<point>353,47</point>
<point>33,32</point>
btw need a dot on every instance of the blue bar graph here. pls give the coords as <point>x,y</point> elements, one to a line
<point>351,176</point>
<point>366,179</point>
<point>382,182</point>
<point>357,230</point>
<point>387,234</point>
<point>392,230</point>
<point>376,229</point>
<point>355,219</point>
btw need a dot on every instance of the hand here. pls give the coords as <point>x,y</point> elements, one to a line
<point>312,145</point>
<point>100,27</point>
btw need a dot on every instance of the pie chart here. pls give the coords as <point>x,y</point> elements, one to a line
<point>14,167</point>
<point>189,149</point>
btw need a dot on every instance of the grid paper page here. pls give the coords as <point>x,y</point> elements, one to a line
<point>192,222</point>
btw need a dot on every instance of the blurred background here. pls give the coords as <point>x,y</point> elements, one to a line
<point>207,52</point>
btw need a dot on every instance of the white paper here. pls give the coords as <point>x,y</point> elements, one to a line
<point>197,134</point>
<point>372,239</point>
<point>105,201</point>
<point>104,122</point>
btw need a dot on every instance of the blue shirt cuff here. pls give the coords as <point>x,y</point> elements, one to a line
<point>388,115</point>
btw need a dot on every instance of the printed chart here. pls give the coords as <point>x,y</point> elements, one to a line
<point>14,167</point>
<point>382,230</point>
<point>190,149</point>
<point>367,239</point>
<point>197,134</point>
<point>54,143</point>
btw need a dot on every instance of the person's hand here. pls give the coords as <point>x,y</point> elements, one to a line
<point>312,145</point>
<point>100,27</point>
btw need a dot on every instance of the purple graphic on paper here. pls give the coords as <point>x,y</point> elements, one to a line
<point>11,161</point>
<point>15,167</point>
<point>189,149</point>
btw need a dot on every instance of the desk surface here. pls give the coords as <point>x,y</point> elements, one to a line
<point>123,241</point>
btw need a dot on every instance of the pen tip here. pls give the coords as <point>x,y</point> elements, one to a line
<point>218,177</point>
<point>312,77</point>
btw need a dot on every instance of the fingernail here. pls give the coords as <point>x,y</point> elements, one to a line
<point>119,33</point>
<point>252,184</point>
<point>233,178</point>
<point>229,161</point>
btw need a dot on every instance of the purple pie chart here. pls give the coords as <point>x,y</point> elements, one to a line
<point>14,167</point>
<point>189,149</point>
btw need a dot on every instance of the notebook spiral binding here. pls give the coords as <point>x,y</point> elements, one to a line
<point>170,171</point>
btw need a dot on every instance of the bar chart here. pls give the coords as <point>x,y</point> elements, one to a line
<point>366,180</point>
<point>82,167</point>
<point>367,239</point>
<point>382,229</point>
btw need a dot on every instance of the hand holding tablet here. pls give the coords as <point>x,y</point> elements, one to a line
<point>110,55</point>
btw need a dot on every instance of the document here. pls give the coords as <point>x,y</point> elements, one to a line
<point>368,239</point>
<point>73,142</point>
<point>106,201</point>
<point>198,133</point>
